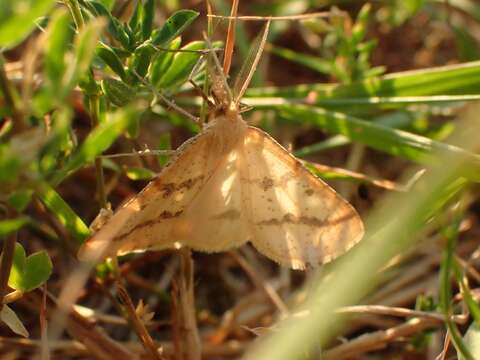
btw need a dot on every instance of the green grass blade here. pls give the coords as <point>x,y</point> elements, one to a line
<point>63,212</point>
<point>19,22</point>
<point>11,225</point>
<point>462,79</point>
<point>393,141</point>
<point>99,140</point>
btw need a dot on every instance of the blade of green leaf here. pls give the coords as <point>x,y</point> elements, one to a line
<point>162,62</point>
<point>148,17</point>
<point>21,22</point>
<point>119,93</point>
<point>63,212</point>
<point>114,26</point>
<point>111,59</point>
<point>85,46</point>
<point>99,140</point>
<point>12,225</point>
<point>181,66</point>
<point>59,34</point>
<point>164,143</point>
<point>174,26</point>
<point>141,59</point>
<point>393,141</point>
<point>312,62</point>
<point>461,79</point>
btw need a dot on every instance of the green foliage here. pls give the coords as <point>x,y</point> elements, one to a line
<point>181,66</point>
<point>12,225</point>
<point>138,173</point>
<point>18,18</point>
<point>30,272</point>
<point>68,218</point>
<point>173,27</point>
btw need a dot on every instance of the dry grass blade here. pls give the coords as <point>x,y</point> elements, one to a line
<point>277,18</point>
<point>250,64</point>
<point>229,44</point>
<point>137,324</point>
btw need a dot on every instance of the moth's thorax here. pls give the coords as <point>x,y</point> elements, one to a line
<point>228,128</point>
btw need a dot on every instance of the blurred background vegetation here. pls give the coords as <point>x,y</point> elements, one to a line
<point>378,98</point>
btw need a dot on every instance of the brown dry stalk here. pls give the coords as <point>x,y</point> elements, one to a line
<point>191,344</point>
<point>138,324</point>
<point>379,339</point>
<point>260,283</point>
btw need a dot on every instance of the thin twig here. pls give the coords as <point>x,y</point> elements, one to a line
<point>379,339</point>
<point>138,324</point>
<point>272,295</point>
<point>395,311</point>
<point>275,18</point>
<point>139,153</point>
<point>192,346</point>
<point>162,97</point>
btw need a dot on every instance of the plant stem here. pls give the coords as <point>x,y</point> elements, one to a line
<point>94,104</point>
<point>137,324</point>
<point>74,7</point>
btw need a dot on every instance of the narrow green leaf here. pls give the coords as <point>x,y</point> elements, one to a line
<point>18,17</point>
<point>462,79</point>
<point>136,16</point>
<point>115,28</point>
<point>59,35</point>
<point>148,17</point>
<point>12,225</point>
<point>164,143</point>
<point>393,141</point>
<point>111,59</point>
<point>162,62</point>
<point>315,63</point>
<point>138,173</point>
<point>19,199</point>
<point>11,319</point>
<point>100,139</point>
<point>119,93</point>
<point>85,45</point>
<point>141,59</point>
<point>181,66</point>
<point>64,213</point>
<point>174,26</point>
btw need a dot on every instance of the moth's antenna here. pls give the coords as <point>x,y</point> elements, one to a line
<point>253,58</point>
<point>230,42</point>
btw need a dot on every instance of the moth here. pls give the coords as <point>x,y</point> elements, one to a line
<point>231,184</point>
